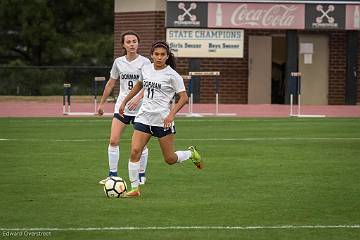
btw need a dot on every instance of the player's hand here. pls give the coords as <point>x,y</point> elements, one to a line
<point>122,109</point>
<point>168,120</point>
<point>100,110</point>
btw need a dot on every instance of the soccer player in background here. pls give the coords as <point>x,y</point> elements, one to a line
<point>160,83</point>
<point>127,69</point>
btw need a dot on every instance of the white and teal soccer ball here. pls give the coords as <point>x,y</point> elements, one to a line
<point>115,187</point>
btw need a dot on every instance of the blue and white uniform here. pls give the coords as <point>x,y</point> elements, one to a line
<point>128,73</point>
<point>159,87</point>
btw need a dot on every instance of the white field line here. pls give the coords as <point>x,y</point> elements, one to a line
<point>186,228</point>
<point>194,139</point>
<point>186,119</point>
<point>180,119</point>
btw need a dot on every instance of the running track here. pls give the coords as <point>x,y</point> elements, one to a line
<point>54,109</point>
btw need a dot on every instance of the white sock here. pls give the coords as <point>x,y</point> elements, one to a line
<point>183,155</point>
<point>143,159</point>
<point>134,174</point>
<point>113,154</point>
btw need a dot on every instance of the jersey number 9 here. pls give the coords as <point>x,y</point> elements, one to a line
<point>130,85</point>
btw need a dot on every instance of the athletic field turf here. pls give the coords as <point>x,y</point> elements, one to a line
<point>263,179</point>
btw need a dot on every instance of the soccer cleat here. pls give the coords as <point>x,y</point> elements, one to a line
<point>133,193</point>
<point>102,182</point>
<point>142,178</point>
<point>196,158</point>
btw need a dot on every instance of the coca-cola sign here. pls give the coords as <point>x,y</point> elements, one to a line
<point>243,15</point>
<point>353,17</point>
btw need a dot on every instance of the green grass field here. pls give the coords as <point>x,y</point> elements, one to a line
<point>263,178</point>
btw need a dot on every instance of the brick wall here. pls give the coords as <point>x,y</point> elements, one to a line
<point>233,79</point>
<point>234,72</point>
<point>149,25</point>
<point>337,67</point>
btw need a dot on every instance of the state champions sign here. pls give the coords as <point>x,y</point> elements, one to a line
<point>206,43</point>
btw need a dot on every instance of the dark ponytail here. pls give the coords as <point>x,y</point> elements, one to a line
<point>171,59</point>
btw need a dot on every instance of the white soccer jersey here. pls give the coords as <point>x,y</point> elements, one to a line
<point>128,73</point>
<point>159,87</point>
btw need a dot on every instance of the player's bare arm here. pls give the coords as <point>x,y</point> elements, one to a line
<point>183,99</point>
<point>108,88</point>
<point>134,102</point>
<point>137,88</point>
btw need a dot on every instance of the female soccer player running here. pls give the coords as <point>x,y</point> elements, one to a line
<point>127,69</point>
<point>156,117</point>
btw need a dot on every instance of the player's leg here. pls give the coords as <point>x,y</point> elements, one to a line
<point>167,149</point>
<point>171,157</point>
<point>117,128</point>
<point>138,142</point>
<point>143,164</point>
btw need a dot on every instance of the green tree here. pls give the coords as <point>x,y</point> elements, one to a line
<point>53,32</point>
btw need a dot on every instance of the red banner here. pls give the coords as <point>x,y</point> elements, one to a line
<point>244,15</point>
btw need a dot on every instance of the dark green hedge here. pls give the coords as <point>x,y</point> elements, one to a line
<point>48,81</point>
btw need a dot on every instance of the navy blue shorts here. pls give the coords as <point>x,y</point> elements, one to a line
<point>158,132</point>
<point>126,119</point>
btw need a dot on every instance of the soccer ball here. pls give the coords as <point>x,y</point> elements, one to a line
<point>115,187</point>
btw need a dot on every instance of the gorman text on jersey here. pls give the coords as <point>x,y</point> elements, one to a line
<point>130,76</point>
<point>152,85</point>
